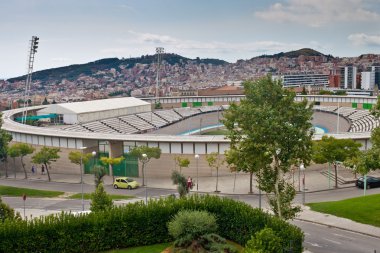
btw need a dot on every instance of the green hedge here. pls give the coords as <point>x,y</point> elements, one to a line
<point>138,224</point>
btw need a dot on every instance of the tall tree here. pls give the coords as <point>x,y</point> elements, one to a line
<point>215,161</point>
<point>150,152</point>
<point>46,156</point>
<point>5,138</point>
<point>332,150</point>
<point>269,132</point>
<point>21,150</point>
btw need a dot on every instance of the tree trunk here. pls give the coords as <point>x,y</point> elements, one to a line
<point>14,166</point>
<point>47,170</point>
<point>23,166</point>
<point>111,173</point>
<point>336,175</point>
<point>277,191</point>
<point>6,168</point>
<point>143,172</point>
<point>250,182</point>
<point>217,178</point>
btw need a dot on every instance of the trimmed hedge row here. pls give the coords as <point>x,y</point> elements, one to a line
<point>138,224</point>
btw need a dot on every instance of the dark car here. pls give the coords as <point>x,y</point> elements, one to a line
<point>372,182</point>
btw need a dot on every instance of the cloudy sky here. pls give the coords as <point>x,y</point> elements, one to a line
<point>79,31</point>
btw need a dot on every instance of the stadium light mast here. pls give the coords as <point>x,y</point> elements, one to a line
<point>32,52</point>
<point>159,52</point>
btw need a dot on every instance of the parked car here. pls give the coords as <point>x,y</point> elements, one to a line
<point>372,182</point>
<point>125,183</point>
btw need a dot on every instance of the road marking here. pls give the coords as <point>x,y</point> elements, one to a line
<point>339,243</point>
<point>343,236</point>
<point>314,244</point>
<point>306,233</point>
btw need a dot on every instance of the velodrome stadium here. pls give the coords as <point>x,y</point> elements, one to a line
<point>111,127</point>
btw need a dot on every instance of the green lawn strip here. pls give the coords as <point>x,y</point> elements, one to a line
<point>15,192</point>
<point>364,209</point>
<point>216,132</point>
<point>88,196</point>
<point>156,248</point>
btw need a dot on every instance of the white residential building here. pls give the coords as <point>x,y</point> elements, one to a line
<point>368,80</point>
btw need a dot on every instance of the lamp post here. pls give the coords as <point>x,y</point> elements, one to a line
<point>197,158</point>
<point>81,175</point>
<point>302,168</point>
<point>146,181</point>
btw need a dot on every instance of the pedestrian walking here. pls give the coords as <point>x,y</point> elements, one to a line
<point>33,169</point>
<point>189,183</point>
<point>43,169</point>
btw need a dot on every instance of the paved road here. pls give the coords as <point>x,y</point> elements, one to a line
<point>323,239</point>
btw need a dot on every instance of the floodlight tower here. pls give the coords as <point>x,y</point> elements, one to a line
<point>32,52</point>
<point>159,52</point>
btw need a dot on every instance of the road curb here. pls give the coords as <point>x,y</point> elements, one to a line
<point>337,227</point>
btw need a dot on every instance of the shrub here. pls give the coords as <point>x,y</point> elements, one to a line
<point>100,200</point>
<point>264,241</point>
<point>180,180</point>
<point>7,213</point>
<point>192,223</point>
<point>138,224</point>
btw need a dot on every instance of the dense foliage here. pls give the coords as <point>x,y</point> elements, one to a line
<point>139,224</point>
<point>100,200</point>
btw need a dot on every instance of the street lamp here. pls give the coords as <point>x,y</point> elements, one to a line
<point>197,158</point>
<point>302,168</point>
<point>146,181</point>
<point>81,175</point>
<point>93,153</point>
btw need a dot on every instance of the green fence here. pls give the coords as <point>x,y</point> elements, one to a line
<point>367,106</point>
<point>210,103</point>
<point>129,167</point>
<point>354,105</point>
<point>197,104</point>
<point>184,104</point>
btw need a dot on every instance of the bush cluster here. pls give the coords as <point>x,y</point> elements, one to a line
<point>138,224</point>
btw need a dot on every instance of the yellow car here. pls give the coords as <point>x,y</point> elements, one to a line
<point>125,183</point>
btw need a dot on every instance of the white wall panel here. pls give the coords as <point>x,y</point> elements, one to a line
<point>188,148</point>
<point>29,139</point>
<point>176,148</point>
<point>41,140</point>
<point>48,141</point>
<point>200,148</point>
<point>212,147</point>
<point>165,148</point>
<point>153,144</point>
<point>223,147</point>
<point>63,142</point>
<point>35,140</point>
<point>71,143</point>
<point>55,141</point>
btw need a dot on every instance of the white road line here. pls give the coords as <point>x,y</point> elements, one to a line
<point>343,236</point>
<point>314,244</point>
<point>339,243</point>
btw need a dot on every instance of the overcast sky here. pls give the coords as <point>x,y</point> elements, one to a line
<point>80,31</point>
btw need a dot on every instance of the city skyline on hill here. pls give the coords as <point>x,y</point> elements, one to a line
<point>74,32</point>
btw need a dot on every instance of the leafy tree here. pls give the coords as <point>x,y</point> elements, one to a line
<point>150,152</point>
<point>21,150</point>
<point>5,138</point>
<point>100,200</point>
<point>270,132</point>
<point>13,152</point>
<point>331,150</point>
<point>182,162</point>
<point>111,161</point>
<point>215,161</point>
<point>7,213</point>
<point>46,156</point>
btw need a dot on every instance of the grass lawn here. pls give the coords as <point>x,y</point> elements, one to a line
<point>157,248</point>
<point>88,196</point>
<point>216,132</point>
<point>364,209</point>
<point>16,192</point>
